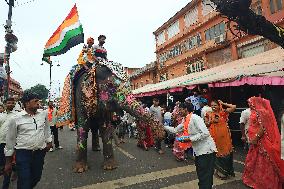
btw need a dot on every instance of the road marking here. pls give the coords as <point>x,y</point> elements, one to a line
<point>125,153</point>
<point>194,183</point>
<point>240,162</point>
<point>128,181</point>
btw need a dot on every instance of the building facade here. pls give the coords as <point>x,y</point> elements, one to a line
<point>198,38</point>
<point>144,76</point>
<point>15,88</point>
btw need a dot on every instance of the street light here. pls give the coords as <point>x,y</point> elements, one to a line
<point>50,82</point>
<point>11,40</point>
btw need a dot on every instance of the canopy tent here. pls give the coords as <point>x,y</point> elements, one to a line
<point>263,69</point>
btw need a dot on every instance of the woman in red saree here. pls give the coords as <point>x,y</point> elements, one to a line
<point>264,168</point>
<point>217,121</point>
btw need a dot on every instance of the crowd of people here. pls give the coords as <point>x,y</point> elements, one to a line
<point>196,128</point>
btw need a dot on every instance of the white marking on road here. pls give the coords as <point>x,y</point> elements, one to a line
<point>240,162</point>
<point>128,181</point>
<point>194,183</point>
<point>125,153</point>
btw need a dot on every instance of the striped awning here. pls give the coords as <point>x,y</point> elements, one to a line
<point>265,68</point>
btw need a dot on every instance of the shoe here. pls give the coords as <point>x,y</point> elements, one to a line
<point>59,148</point>
<point>51,150</point>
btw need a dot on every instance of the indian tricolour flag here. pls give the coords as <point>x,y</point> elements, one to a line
<point>68,34</point>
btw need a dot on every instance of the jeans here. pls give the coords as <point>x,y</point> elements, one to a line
<point>29,167</point>
<point>54,132</point>
<point>6,180</point>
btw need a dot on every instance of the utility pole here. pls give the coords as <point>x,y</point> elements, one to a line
<point>50,66</point>
<point>11,45</point>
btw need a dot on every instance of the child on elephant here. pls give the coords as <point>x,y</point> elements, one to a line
<point>87,57</point>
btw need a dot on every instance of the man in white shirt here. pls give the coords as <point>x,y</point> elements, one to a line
<point>30,137</point>
<point>204,107</point>
<point>203,146</point>
<point>244,124</point>
<point>8,114</point>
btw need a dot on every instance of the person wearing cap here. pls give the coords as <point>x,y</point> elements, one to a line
<point>28,136</point>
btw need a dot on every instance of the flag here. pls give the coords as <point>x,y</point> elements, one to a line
<point>68,34</point>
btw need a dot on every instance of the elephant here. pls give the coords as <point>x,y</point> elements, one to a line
<point>98,94</point>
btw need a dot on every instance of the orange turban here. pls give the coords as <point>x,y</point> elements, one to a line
<point>90,40</point>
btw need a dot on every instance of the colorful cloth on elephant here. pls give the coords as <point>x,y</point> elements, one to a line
<point>116,68</point>
<point>66,112</point>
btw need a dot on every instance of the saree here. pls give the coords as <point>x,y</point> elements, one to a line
<point>221,135</point>
<point>263,159</point>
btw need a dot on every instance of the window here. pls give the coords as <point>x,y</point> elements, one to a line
<point>207,7</point>
<point>215,31</point>
<point>177,50</point>
<point>191,17</point>
<point>279,4</point>
<point>195,66</point>
<point>275,6</point>
<point>173,29</point>
<point>251,50</point>
<point>163,77</point>
<point>161,38</point>
<point>194,41</point>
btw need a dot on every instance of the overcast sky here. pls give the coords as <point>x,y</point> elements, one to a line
<point>128,25</point>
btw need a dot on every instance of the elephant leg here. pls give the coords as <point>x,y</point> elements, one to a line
<point>141,136</point>
<point>95,140</point>
<point>81,160</point>
<point>109,161</point>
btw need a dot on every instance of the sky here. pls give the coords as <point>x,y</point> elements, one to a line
<point>127,24</point>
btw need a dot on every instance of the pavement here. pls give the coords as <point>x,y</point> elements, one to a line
<point>137,169</point>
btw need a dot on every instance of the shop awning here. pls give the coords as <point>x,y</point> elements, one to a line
<point>263,69</point>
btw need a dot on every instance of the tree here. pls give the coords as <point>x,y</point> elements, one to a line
<point>249,22</point>
<point>41,90</point>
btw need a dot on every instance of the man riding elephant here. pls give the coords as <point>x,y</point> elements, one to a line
<point>90,98</point>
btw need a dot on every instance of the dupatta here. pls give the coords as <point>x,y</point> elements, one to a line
<point>269,144</point>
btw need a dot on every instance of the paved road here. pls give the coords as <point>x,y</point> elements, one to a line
<point>138,169</point>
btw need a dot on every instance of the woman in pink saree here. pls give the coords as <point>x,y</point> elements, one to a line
<point>264,168</point>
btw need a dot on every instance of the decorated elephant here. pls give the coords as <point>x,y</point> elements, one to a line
<point>90,98</point>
